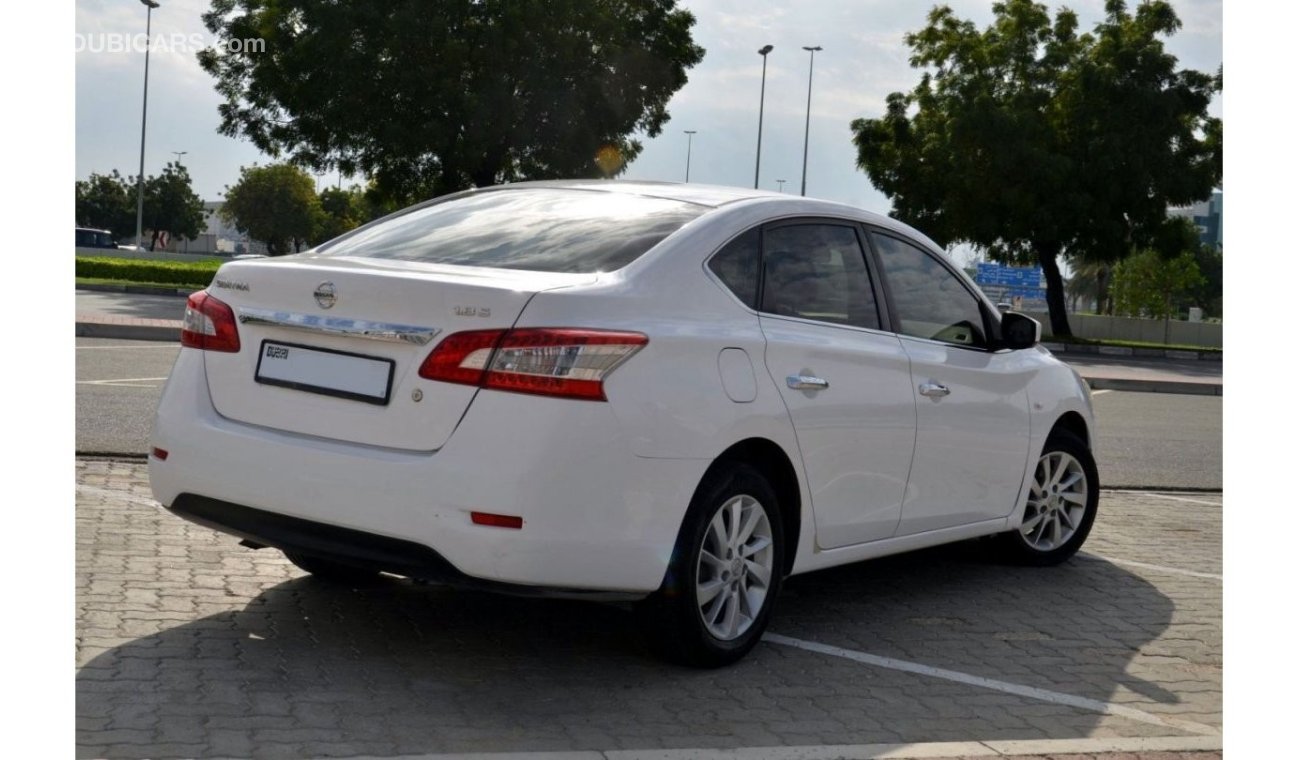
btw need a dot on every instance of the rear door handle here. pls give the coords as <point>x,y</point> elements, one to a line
<point>934,390</point>
<point>807,383</point>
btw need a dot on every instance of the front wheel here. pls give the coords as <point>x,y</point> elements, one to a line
<point>1061,507</point>
<point>725,572</point>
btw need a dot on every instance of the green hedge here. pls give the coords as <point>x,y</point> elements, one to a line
<point>196,274</point>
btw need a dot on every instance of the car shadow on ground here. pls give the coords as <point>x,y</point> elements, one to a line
<point>313,669</point>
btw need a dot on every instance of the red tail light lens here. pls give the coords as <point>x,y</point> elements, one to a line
<point>548,361</point>
<point>462,357</point>
<point>209,324</point>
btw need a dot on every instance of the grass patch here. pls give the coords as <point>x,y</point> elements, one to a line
<point>184,274</point>
<point>133,283</point>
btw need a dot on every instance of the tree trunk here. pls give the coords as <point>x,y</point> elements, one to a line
<point>1047,253</point>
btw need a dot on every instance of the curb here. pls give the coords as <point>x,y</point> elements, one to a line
<point>144,290</point>
<point>1154,386</point>
<point>1144,353</point>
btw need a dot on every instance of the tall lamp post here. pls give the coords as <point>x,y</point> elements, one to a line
<point>780,186</point>
<point>179,153</point>
<point>144,113</point>
<point>690,135</point>
<point>812,51</point>
<point>762,91</point>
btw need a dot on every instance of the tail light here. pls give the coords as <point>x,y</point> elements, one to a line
<point>548,361</point>
<point>209,324</point>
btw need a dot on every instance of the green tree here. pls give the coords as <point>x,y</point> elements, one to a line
<point>431,96</point>
<point>1032,141</point>
<point>1147,284</point>
<point>341,210</point>
<point>1209,293</point>
<point>276,204</point>
<point>170,204</point>
<point>107,202</point>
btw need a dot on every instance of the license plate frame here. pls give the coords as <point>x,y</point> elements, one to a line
<point>354,388</point>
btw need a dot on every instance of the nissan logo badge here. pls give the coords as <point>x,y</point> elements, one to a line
<point>324,294</point>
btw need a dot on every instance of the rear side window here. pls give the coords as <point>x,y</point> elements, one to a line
<point>737,266</point>
<point>538,229</point>
<point>817,271</point>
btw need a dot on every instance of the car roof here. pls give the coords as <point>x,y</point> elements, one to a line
<point>717,196</point>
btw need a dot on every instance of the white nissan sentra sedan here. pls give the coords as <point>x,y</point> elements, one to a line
<point>678,394</point>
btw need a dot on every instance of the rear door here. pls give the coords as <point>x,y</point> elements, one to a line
<point>844,381</point>
<point>972,413</point>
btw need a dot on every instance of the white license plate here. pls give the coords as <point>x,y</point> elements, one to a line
<point>332,373</point>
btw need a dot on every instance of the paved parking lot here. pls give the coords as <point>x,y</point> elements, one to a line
<point>189,645</point>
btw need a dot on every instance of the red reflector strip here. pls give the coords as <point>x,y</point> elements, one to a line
<point>497,521</point>
<point>160,454</point>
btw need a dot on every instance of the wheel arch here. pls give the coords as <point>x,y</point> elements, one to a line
<point>772,461</point>
<point>1072,422</point>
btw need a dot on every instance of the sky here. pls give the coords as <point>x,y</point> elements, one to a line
<point>862,61</point>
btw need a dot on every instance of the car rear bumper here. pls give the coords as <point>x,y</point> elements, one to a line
<point>596,517</point>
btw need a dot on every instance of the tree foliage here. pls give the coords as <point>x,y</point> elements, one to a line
<point>1031,140</point>
<point>276,204</point>
<point>171,204</point>
<point>1147,284</point>
<point>107,202</point>
<point>431,96</point>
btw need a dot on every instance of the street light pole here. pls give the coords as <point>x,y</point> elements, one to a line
<point>144,113</point>
<point>812,51</point>
<point>780,186</point>
<point>178,154</point>
<point>762,92</point>
<point>690,135</point>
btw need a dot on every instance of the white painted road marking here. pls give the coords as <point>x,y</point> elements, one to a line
<point>1103,390</point>
<point>1157,568</point>
<point>124,382</point>
<point>1172,498</point>
<point>157,345</point>
<point>912,751</point>
<point>1070,700</point>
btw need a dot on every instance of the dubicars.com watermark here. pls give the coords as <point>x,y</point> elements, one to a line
<point>186,44</point>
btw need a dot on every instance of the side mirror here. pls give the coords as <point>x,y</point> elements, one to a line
<point>1019,331</point>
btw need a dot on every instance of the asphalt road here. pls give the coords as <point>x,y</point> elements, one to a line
<point>1143,439</point>
<point>130,305</point>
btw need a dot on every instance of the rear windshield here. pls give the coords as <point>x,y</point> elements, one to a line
<point>539,229</point>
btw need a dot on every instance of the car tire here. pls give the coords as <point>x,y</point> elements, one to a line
<point>1061,505</point>
<point>724,574</point>
<point>331,571</point>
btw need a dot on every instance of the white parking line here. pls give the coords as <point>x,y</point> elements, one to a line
<point>1157,568</point>
<point>152,345</point>
<point>1168,497</point>
<point>1103,390</point>
<point>108,493</point>
<point>124,382</point>
<point>1070,700</point>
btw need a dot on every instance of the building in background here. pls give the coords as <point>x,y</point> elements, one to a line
<point>1207,216</point>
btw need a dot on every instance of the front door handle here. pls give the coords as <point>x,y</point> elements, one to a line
<point>807,383</point>
<point>934,390</point>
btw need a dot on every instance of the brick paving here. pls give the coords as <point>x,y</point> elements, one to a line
<point>189,645</point>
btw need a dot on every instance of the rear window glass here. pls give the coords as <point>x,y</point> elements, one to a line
<point>547,230</point>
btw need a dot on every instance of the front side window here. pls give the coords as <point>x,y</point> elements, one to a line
<point>930,300</point>
<point>538,229</point>
<point>817,271</point>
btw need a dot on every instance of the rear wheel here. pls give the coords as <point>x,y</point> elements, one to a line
<point>1061,507</point>
<point>725,572</point>
<point>329,570</point>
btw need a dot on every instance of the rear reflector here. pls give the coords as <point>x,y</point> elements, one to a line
<point>497,521</point>
<point>209,324</point>
<point>548,361</point>
<point>160,454</point>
